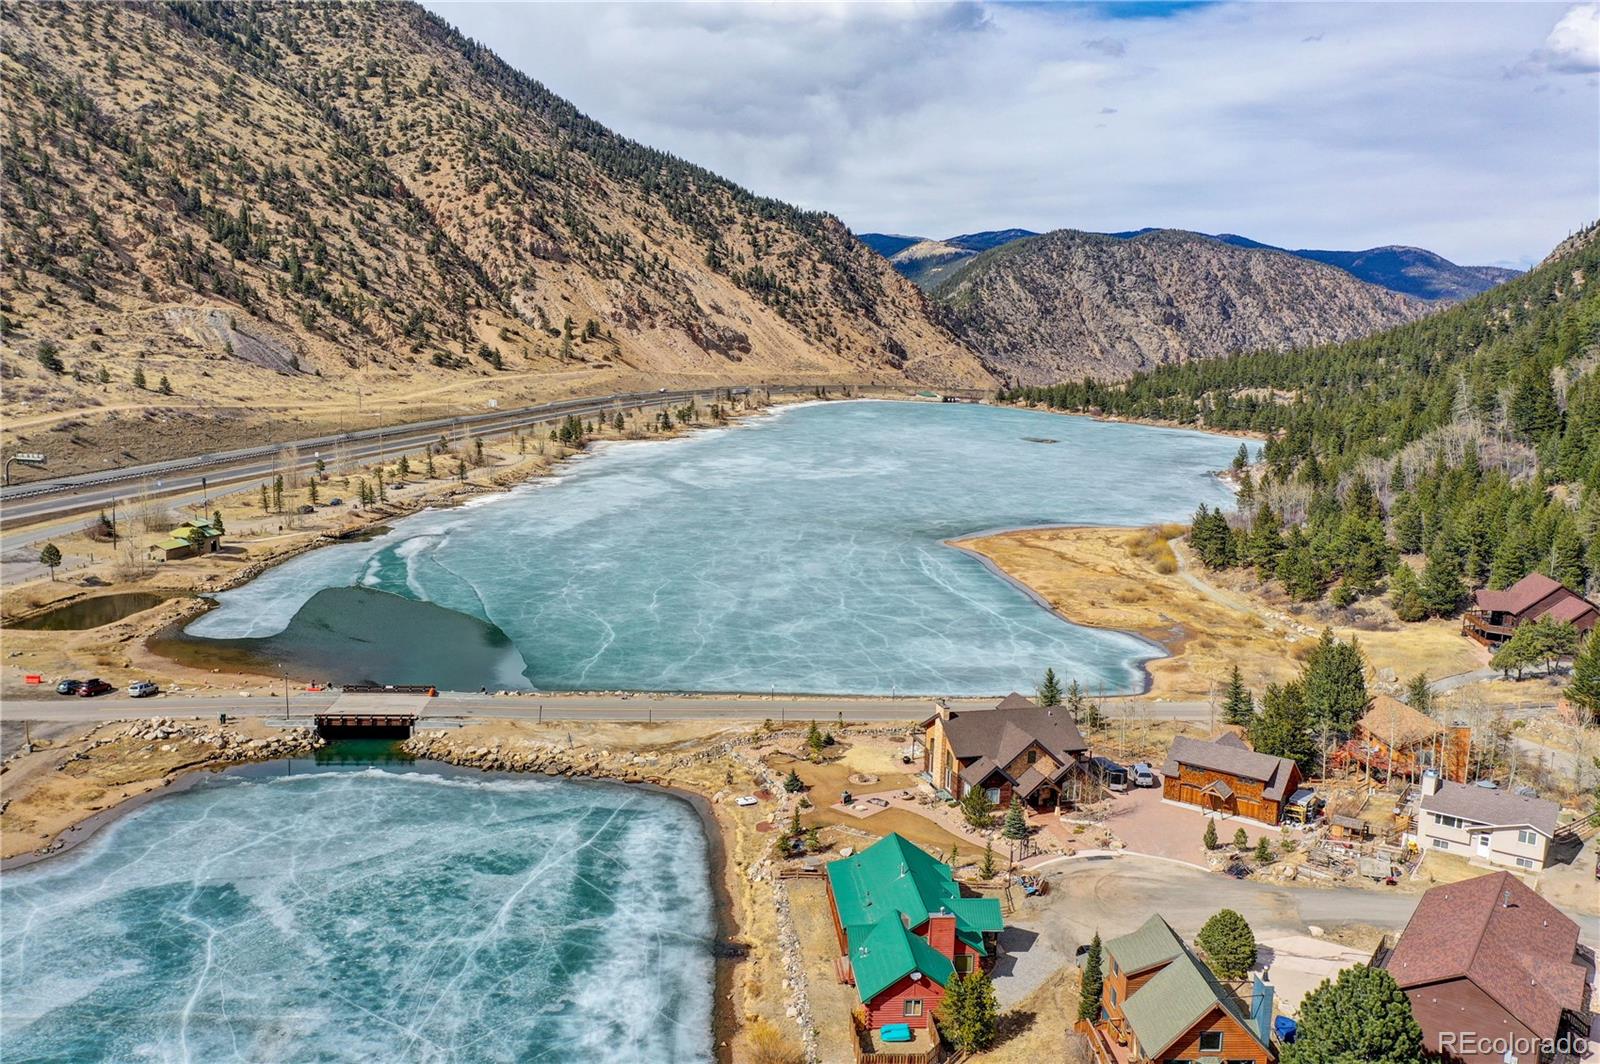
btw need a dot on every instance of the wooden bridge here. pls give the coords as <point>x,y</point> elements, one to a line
<point>373,713</point>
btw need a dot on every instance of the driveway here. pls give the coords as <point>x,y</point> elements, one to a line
<point>1114,895</point>
<point>1146,824</point>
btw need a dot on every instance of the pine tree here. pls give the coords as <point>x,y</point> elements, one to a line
<point>216,521</point>
<point>138,378</point>
<point>277,494</point>
<point>1283,727</point>
<point>1263,850</point>
<point>977,808</point>
<point>1241,840</point>
<point>793,784</point>
<point>1228,944</point>
<point>1405,594</point>
<point>1441,589</point>
<point>50,558</point>
<point>165,387</point>
<point>1584,690</point>
<point>969,1013</point>
<point>815,742</point>
<point>1419,693</point>
<point>1016,823</point>
<point>1361,1017</point>
<point>1334,680</point>
<point>1209,840</point>
<point>1239,707</point>
<point>986,867</point>
<point>1050,689</point>
<point>1093,981</point>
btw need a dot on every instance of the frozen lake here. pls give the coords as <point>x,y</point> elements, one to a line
<point>801,552</point>
<point>367,914</point>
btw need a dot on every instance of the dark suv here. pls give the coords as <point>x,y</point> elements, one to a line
<point>90,688</point>
<point>68,687</point>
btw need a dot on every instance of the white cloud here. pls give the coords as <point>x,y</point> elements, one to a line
<point>1573,47</point>
<point>1307,125</point>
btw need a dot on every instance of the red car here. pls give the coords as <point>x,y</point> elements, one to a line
<point>96,686</point>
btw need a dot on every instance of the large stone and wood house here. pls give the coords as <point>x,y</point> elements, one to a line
<point>1017,748</point>
<point>1485,824</point>
<point>1225,776</point>
<point>1160,1004</point>
<point>904,929</point>
<point>1489,958</point>
<point>1495,615</point>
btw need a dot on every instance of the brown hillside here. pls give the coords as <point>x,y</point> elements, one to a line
<point>1070,304</point>
<point>308,217</point>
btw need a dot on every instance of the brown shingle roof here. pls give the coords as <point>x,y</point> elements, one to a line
<point>1396,724</point>
<point>1519,596</point>
<point>1493,806</point>
<point>1515,946</point>
<point>998,735</point>
<point>1238,761</point>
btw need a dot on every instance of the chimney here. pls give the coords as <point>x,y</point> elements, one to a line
<point>1430,782</point>
<point>942,933</point>
<point>944,709</point>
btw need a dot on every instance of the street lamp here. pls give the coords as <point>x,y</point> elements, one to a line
<point>285,672</point>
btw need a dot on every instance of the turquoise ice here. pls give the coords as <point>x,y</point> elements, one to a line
<point>367,915</point>
<point>798,552</point>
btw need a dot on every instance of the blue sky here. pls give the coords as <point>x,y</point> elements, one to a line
<point>1470,129</point>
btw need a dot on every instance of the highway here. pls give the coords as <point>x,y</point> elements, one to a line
<point>46,499</point>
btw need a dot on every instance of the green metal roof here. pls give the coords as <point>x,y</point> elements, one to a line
<point>1174,1000</point>
<point>174,544</point>
<point>884,953</point>
<point>1154,943</point>
<point>893,876</point>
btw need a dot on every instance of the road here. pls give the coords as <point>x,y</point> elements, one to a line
<point>51,707</point>
<point>184,481</point>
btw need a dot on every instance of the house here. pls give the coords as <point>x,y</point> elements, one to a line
<point>1484,823</point>
<point>1495,615</point>
<point>1392,739</point>
<point>1490,957</point>
<point>904,929</point>
<point>189,539</point>
<point>1017,748</point>
<point>1226,776</point>
<point>1159,1003</point>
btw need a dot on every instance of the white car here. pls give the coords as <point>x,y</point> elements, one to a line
<point>1143,775</point>
<point>142,689</point>
<point>746,800</point>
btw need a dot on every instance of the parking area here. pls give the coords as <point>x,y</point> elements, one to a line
<point>1146,824</point>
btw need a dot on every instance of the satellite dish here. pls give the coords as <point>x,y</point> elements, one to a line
<point>916,977</point>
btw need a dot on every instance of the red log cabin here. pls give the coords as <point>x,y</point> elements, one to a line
<point>1495,615</point>
<point>904,929</point>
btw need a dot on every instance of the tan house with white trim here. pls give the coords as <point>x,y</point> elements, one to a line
<point>1486,825</point>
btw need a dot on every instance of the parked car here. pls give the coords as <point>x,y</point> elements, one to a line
<point>1144,776</point>
<point>68,687</point>
<point>96,686</point>
<point>1113,775</point>
<point>142,689</point>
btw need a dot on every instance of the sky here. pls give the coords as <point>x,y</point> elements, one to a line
<point>1469,129</point>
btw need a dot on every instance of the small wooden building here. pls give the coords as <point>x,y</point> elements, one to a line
<point>188,540</point>
<point>1226,776</point>
<point>1392,739</point>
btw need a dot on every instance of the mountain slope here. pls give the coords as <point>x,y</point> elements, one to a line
<point>930,263</point>
<point>321,208</point>
<point>1070,303</point>
<point>886,244</point>
<point>1411,271</point>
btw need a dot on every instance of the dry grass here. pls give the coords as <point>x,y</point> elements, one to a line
<point>768,1046</point>
<point>1039,1027</point>
<point>1131,580</point>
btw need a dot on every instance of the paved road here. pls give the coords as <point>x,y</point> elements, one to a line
<point>50,707</point>
<point>179,480</point>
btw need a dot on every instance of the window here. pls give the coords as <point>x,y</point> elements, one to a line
<point>1446,821</point>
<point>1524,862</point>
<point>1033,756</point>
<point>1211,1042</point>
<point>913,1007</point>
<point>1113,995</point>
<point>1440,844</point>
<point>1527,837</point>
<point>964,964</point>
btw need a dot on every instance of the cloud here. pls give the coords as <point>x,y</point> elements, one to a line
<point>933,119</point>
<point>1573,47</point>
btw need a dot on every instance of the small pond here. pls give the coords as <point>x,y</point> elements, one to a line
<point>93,612</point>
